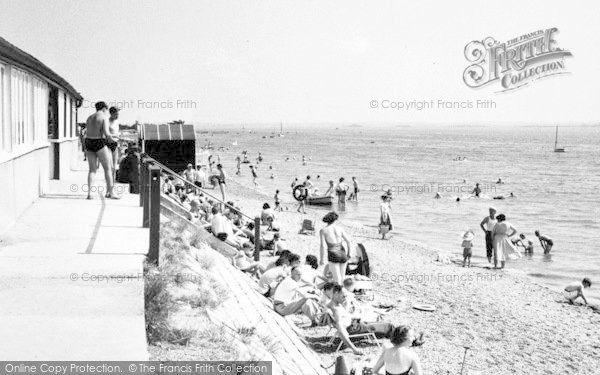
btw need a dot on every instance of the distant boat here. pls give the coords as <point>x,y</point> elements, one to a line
<point>557,149</point>
<point>234,143</point>
<point>281,129</point>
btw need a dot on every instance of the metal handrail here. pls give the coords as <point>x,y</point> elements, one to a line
<point>172,172</point>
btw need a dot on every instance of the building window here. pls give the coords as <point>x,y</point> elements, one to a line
<point>4,131</point>
<point>65,115</point>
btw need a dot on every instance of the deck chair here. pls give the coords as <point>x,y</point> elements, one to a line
<point>328,317</point>
<point>360,263</point>
<point>308,227</point>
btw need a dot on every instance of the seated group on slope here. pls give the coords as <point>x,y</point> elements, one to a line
<point>325,298</point>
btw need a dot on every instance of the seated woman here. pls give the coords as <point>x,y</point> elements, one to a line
<point>398,358</point>
<point>347,325</point>
<point>244,261</point>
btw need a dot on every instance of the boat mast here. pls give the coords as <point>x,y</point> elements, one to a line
<point>556,138</point>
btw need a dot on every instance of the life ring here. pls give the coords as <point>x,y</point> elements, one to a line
<point>300,193</point>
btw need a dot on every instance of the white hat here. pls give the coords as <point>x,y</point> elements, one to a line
<point>468,236</point>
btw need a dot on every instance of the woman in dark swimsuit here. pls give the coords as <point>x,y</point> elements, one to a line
<point>332,236</point>
<point>399,359</point>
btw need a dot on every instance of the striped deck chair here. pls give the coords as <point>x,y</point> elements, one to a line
<point>328,316</point>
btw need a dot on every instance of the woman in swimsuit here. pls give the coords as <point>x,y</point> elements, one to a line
<point>399,359</point>
<point>332,236</point>
<point>254,175</point>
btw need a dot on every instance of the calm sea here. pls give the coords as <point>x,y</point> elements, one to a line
<point>556,193</point>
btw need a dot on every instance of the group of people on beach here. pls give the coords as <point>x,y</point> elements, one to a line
<point>325,298</point>
<point>499,244</point>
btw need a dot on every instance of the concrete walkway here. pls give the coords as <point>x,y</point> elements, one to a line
<point>57,300</point>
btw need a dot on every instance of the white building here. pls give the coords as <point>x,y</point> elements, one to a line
<point>38,130</point>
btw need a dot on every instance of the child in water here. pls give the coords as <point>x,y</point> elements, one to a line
<point>467,245</point>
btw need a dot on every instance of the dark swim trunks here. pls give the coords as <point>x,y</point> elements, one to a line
<point>489,244</point>
<point>336,253</point>
<point>94,144</point>
<point>112,146</point>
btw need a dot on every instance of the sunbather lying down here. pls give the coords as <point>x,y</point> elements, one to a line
<point>347,325</point>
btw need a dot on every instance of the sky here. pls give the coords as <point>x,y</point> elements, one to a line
<point>262,62</point>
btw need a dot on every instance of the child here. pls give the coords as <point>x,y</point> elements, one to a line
<point>529,248</point>
<point>276,197</point>
<point>467,244</point>
<point>574,291</point>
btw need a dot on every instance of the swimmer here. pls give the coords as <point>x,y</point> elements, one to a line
<point>477,190</point>
<point>458,199</point>
<point>546,242</point>
<point>499,181</point>
<point>438,195</point>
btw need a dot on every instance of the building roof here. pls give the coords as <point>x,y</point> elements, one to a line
<point>15,55</point>
<point>172,132</point>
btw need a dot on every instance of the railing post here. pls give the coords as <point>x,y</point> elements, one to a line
<point>153,252</point>
<point>141,180</point>
<point>257,238</point>
<point>146,194</point>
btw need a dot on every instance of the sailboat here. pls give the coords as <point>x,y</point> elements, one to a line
<point>556,149</point>
<point>281,129</point>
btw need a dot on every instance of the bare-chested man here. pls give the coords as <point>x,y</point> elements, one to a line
<point>97,131</point>
<point>112,141</point>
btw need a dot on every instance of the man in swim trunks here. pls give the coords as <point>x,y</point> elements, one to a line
<point>97,131</point>
<point>113,142</point>
<point>221,179</point>
<point>546,242</point>
<point>477,190</point>
<point>356,189</point>
<point>487,225</point>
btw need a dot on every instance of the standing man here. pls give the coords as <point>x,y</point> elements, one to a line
<point>487,225</point>
<point>112,142</point>
<point>221,179</point>
<point>356,189</point>
<point>97,131</point>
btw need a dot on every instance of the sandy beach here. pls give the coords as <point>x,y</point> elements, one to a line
<point>509,324</point>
